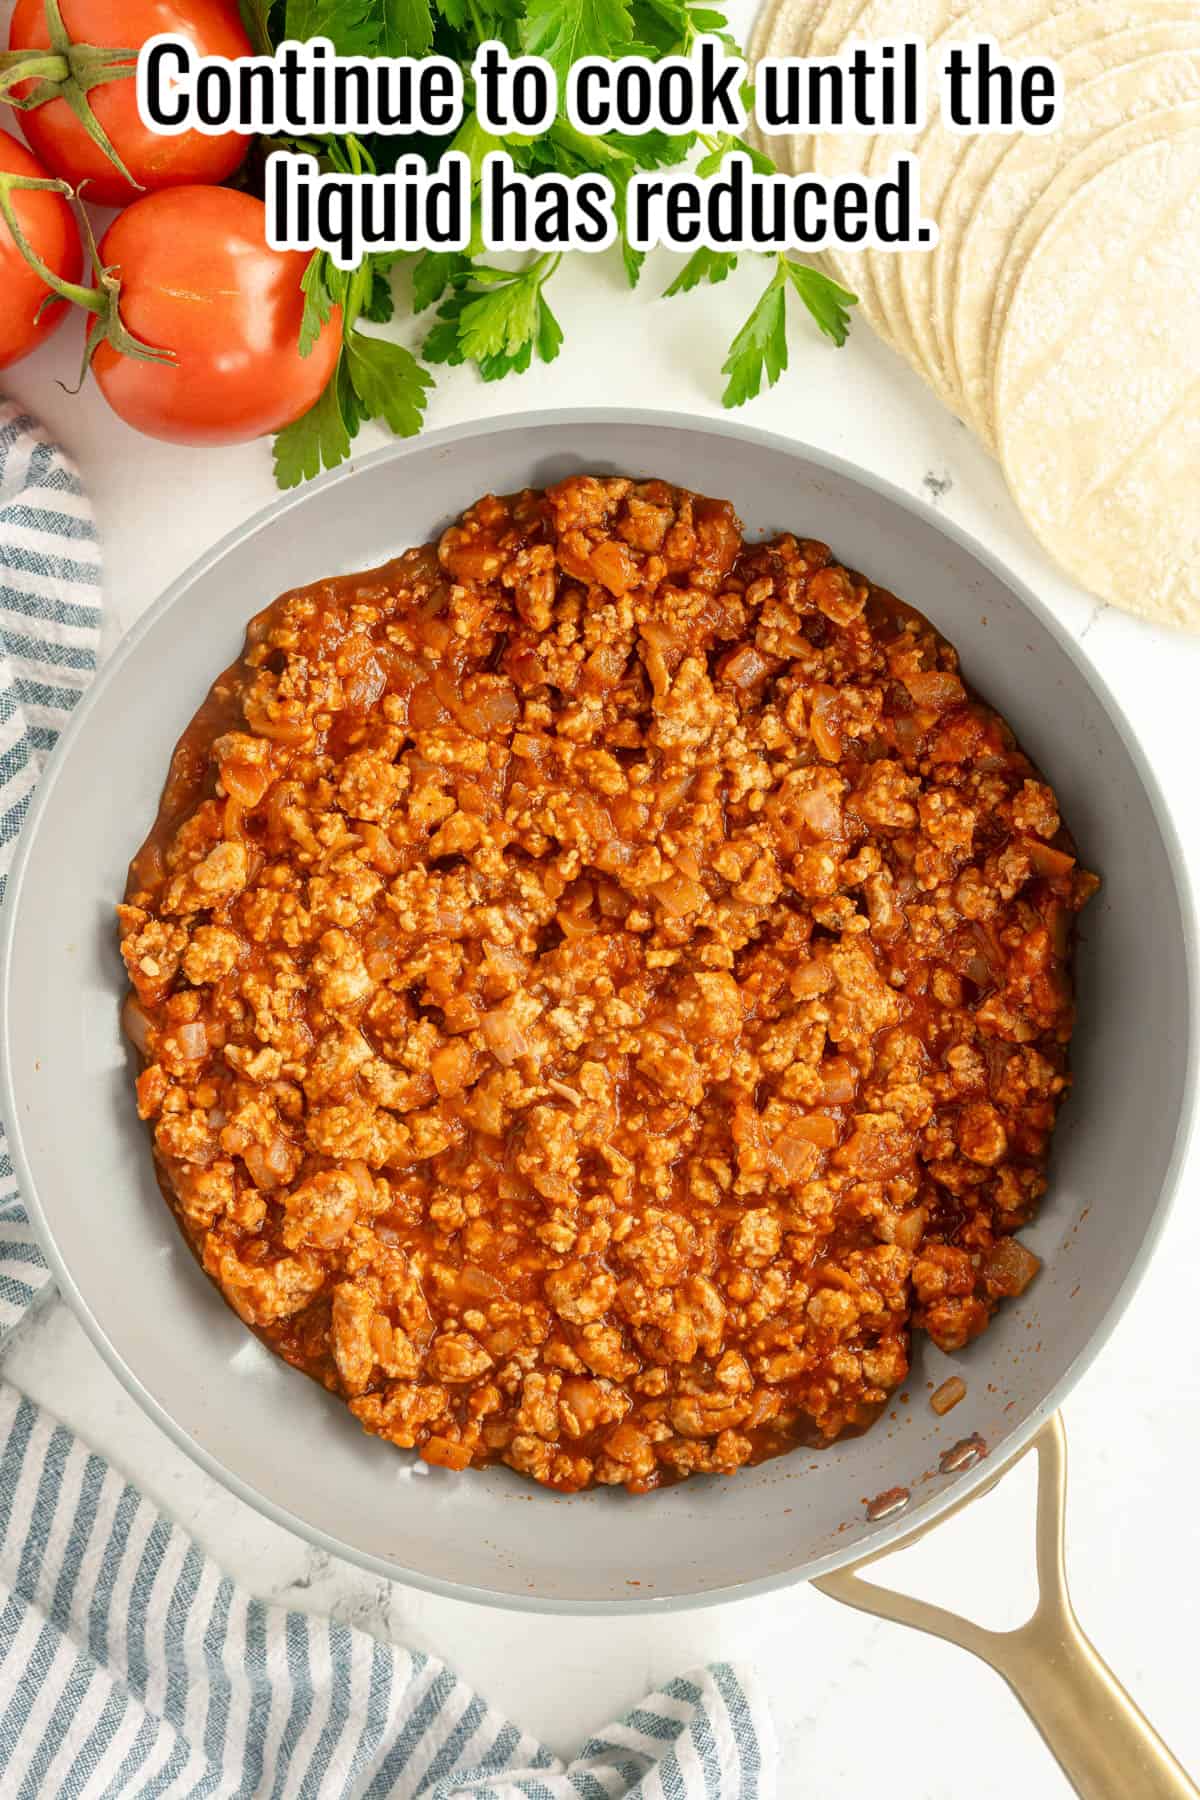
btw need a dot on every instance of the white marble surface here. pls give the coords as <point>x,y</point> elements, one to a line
<point>858,1703</point>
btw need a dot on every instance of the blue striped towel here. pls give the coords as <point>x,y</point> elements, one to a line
<point>49,636</point>
<point>129,1664</point>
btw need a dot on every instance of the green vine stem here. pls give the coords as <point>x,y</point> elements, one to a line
<point>102,299</point>
<point>67,72</point>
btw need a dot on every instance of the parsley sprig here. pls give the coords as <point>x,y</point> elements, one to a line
<point>500,319</point>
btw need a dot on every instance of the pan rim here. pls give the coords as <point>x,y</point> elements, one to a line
<point>889,1531</point>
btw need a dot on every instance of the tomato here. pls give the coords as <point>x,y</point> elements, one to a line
<point>62,141</point>
<point>49,224</point>
<point>198,278</point>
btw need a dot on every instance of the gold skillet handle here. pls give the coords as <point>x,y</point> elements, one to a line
<point>1105,1745</point>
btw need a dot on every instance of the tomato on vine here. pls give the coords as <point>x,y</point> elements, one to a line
<point>77,97</point>
<point>196,337</point>
<point>31,202</point>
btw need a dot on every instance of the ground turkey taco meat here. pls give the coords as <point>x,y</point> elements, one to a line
<point>601,986</point>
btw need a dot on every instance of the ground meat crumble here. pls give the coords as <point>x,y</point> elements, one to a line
<point>600,985</point>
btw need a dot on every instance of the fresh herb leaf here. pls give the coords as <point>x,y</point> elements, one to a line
<point>432,274</point>
<point>318,438</point>
<point>653,149</point>
<point>324,287</point>
<point>500,321</point>
<point>348,400</point>
<point>660,24</point>
<point>256,17</point>
<point>672,26</point>
<point>353,25</point>
<point>633,259</point>
<point>379,304</point>
<point>549,332</point>
<point>724,146</point>
<point>406,28</point>
<point>702,265</point>
<point>497,318</point>
<point>495,368</point>
<point>479,19</point>
<point>441,340</point>
<point>827,300</point>
<point>760,347</point>
<point>388,381</point>
<point>564,30</point>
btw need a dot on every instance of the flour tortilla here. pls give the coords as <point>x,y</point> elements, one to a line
<point>1135,82</point>
<point>882,265</point>
<point>1091,160</point>
<point>838,155</point>
<point>1024,28</point>
<point>940,151</point>
<point>1098,383</point>
<point>972,175</point>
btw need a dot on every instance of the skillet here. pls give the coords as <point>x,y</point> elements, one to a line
<point>276,1440</point>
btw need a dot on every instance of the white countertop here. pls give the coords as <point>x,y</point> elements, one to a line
<point>858,1703</point>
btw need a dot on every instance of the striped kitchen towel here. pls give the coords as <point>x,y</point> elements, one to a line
<point>129,1663</point>
<point>49,633</point>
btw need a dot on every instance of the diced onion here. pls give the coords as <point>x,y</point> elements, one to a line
<point>1009,1267</point>
<point>948,1395</point>
<point>363,1180</point>
<point>606,664</point>
<point>244,783</point>
<point>825,733</point>
<point>269,1164</point>
<point>381,852</point>
<point>838,1081</point>
<point>444,1454</point>
<point>935,688</point>
<point>978,971</point>
<point>1046,860</point>
<point>495,710</point>
<point>796,1156</point>
<point>678,895</point>
<point>136,1025</point>
<point>819,809</point>
<point>613,565</point>
<point>810,978</point>
<point>193,1039</point>
<point>503,960</point>
<point>477,1284</point>
<point>743,666</point>
<point>426,709</point>
<point>907,733</point>
<point>505,1039</point>
<point>910,1229</point>
<point>816,1128</point>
